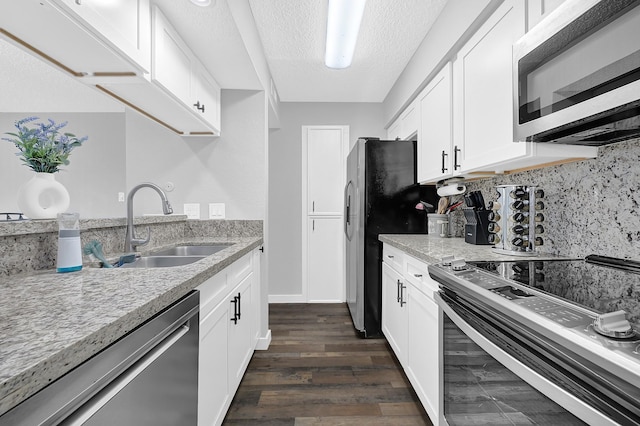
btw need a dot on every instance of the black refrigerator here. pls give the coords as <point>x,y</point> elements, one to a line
<point>379,198</point>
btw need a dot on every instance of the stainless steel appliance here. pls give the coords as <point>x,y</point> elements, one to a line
<point>379,198</point>
<point>149,377</point>
<point>530,341</point>
<point>577,75</point>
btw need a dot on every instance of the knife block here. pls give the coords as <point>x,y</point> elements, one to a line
<point>476,229</point>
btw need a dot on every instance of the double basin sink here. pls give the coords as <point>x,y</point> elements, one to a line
<point>176,256</point>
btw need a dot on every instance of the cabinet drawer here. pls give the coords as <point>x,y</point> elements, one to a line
<point>417,274</point>
<point>212,291</point>
<point>240,269</point>
<point>392,257</point>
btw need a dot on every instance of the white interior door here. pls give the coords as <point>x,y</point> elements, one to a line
<point>324,155</point>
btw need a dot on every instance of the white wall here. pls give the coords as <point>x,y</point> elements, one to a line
<point>229,169</point>
<point>285,180</point>
<point>96,172</point>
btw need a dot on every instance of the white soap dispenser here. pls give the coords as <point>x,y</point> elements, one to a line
<point>69,247</point>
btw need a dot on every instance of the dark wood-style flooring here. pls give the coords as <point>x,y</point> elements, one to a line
<point>317,371</point>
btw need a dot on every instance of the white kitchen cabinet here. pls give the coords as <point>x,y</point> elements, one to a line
<point>241,342</point>
<point>410,121</point>
<point>394,311</point>
<point>214,397</point>
<point>125,25</point>
<point>537,10</point>
<point>393,132</point>
<point>411,322</point>
<point>483,87</point>
<point>177,70</point>
<point>229,317</point>
<point>407,124</point>
<point>435,147</point>
<point>424,336</point>
<point>84,39</point>
<point>325,160</point>
<point>325,266</point>
<point>483,114</point>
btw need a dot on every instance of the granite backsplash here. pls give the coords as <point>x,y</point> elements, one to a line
<point>29,246</point>
<point>591,206</point>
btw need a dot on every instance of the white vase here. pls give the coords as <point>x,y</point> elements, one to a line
<point>42,197</point>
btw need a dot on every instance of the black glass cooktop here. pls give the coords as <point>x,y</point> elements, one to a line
<point>592,285</point>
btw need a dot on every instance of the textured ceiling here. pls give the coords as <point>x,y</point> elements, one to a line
<point>293,34</point>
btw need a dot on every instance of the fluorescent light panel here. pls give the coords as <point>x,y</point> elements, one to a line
<point>202,3</point>
<point>343,24</point>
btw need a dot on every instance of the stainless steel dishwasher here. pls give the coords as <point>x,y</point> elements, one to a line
<point>149,377</point>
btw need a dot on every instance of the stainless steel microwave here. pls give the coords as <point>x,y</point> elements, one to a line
<point>577,75</point>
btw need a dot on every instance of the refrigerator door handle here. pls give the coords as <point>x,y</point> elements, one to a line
<point>347,212</point>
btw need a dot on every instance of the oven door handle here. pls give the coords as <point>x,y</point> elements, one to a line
<point>579,409</point>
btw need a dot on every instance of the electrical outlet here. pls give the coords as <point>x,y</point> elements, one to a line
<point>192,210</point>
<point>121,197</point>
<point>216,211</point>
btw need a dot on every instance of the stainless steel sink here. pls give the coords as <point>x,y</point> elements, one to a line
<point>162,261</point>
<point>191,250</point>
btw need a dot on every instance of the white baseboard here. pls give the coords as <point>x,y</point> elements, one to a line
<point>286,298</point>
<point>264,342</point>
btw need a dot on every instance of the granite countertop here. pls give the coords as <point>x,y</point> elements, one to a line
<point>432,249</point>
<point>51,322</point>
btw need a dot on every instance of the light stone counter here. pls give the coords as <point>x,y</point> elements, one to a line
<point>51,322</point>
<point>432,250</point>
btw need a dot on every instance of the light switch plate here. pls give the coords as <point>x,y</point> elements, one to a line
<point>216,211</point>
<point>192,210</point>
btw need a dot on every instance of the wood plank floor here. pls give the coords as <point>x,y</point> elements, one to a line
<point>317,371</point>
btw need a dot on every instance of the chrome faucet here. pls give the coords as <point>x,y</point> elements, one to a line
<point>130,241</point>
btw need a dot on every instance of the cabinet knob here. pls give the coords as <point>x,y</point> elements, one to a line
<point>417,275</point>
<point>390,256</point>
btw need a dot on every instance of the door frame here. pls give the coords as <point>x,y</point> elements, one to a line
<point>305,195</point>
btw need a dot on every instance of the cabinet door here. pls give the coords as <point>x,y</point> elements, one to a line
<point>409,121</point>
<point>394,312</point>
<point>423,350</point>
<point>325,282</point>
<point>435,159</point>
<point>240,340</point>
<point>325,170</point>
<point>393,132</point>
<point>172,66</point>
<point>124,24</point>
<point>537,10</point>
<point>482,84</point>
<point>213,385</point>
<point>206,97</point>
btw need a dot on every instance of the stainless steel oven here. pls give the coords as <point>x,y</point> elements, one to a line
<point>517,352</point>
<point>577,75</point>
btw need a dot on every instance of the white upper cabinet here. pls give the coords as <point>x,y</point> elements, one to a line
<point>537,10</point>
<point>182,95</point>
<point>483,102</point>
<point>82,38</point>
<point>124,24</point>
<point>482,88</point>
<point>409,121</point>
<point>176,69</point>
<point>435,148</point>
<point>393,132</point>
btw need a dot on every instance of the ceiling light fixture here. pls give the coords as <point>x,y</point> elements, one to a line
<point>202,3</point>
<point>343,24</point>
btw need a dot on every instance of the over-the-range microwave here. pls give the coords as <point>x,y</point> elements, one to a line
<point>577,75</point>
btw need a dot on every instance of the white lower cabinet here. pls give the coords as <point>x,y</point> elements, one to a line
<point>423,350</point>
<point>394,312</point>
<point>227,336</point>
<point>411,322</point>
